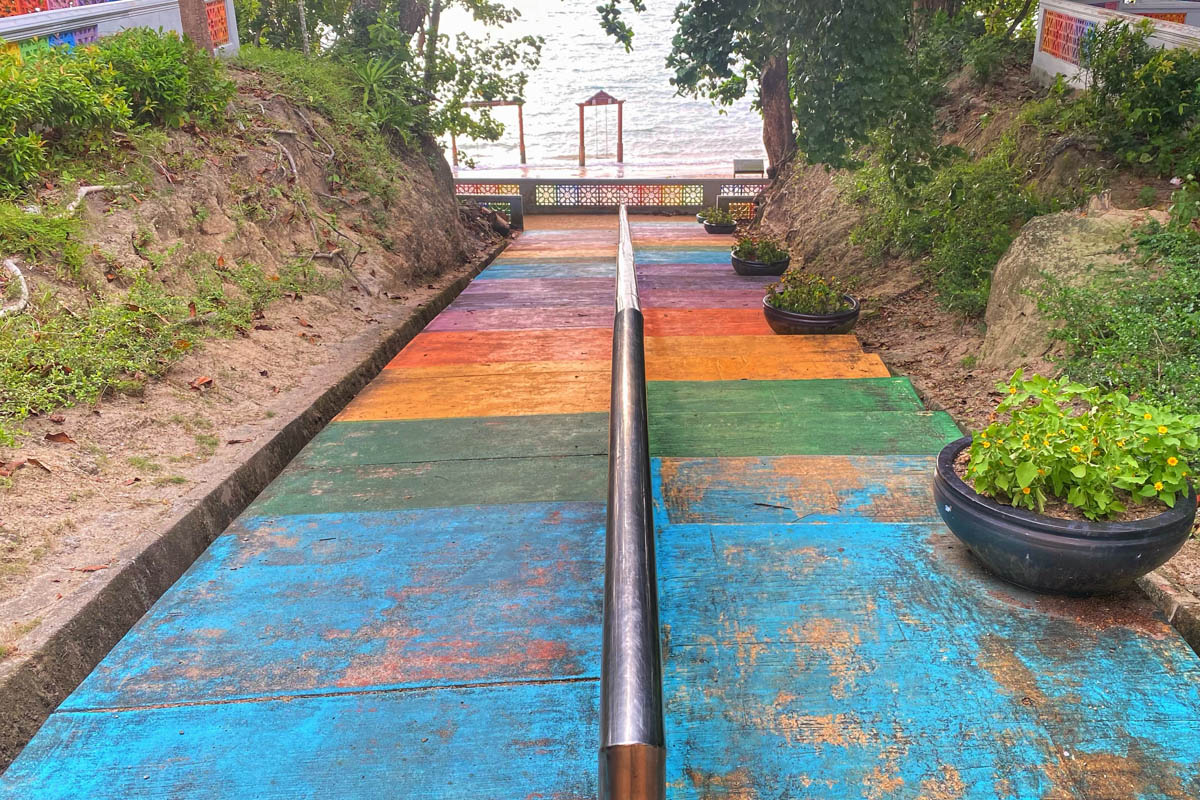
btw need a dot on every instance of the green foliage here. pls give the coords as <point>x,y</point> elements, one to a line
<point>1097,452</point>
<point>167,79</point>
<point>55,100</point>
<point>1143,100</point>
<point>991,55</point>
<point>50,358</point>
<point>703,215</point>
<point>330,87</point>
<point>764,249</point>
<point>1139,332</point>
<point>68,104</point>
<point>808,293</point>
<point>40,238</point>
<point>718,216</point>
<point>961,221</point>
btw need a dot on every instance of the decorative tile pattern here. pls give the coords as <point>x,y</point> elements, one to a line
<point>612,194</point>
<point>486,188</point>
<point>1167,17</point>
<point>1062,33</point>
<point>743,189</point>
<point>218,24</point>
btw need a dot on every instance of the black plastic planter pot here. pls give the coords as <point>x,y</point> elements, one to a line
<point>791,322</point>
<point>711,228</point>
<point>1056,555</point>
<point>744,267</point>
<point>700,218</point>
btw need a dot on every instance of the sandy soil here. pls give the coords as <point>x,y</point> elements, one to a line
<point>128,463</point>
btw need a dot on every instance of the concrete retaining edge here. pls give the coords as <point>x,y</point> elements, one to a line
<point>85,627</point>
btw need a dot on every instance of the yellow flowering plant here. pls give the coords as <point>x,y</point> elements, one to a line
<point>1096,451</point>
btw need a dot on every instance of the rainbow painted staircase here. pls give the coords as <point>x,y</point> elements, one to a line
<point>412,609</point>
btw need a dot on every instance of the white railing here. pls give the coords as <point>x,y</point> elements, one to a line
<point>1062,24</point>
<point>72,23</point>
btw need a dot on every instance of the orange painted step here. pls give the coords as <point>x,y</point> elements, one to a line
<point>781,348</point>
<point>706,321</point>
<point>485,368</point>
<point>394,396</point>
<point>736,368</point>
<point>476,347</point>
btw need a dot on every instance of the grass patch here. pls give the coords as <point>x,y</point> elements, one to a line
<point>363,157</point>
<point>1138,333</point>
<point>50,358</point>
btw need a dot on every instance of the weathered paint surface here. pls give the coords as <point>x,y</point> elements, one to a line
<point>825,637</point>
<point>412,609</point>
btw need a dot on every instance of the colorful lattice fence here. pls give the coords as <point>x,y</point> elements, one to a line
<point>486,188</point>
<point>742,189</point>
<point>218,23</point>
<point>1166,17</point>
<point>611,194</point>
<point>1062,33</point>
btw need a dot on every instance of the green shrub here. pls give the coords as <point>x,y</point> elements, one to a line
<point>764,249</point>
<point>807,293</point>
<point>1138,333</point>
<point>66,101</point>
<point>718,216</point>
<point>961,221</point>
<point>1096,452</point>
<point>167,78</point>
<point>1143,100</point>
<point>989,56</point>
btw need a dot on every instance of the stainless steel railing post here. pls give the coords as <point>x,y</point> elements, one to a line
<point>632,751</point>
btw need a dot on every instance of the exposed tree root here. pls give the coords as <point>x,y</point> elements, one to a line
<point>23,301</point>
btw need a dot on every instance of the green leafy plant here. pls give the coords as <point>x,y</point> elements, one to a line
<point>1098,452</point>
<point>1142,99</point>
<point>808,293</point>
<point>703,215</point>
<point>167,79</point>
<point>763,249</point>
<point>1136,331</point>
<point>717,216</point>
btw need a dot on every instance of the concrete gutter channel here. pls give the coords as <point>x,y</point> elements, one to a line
<point>83,628</point>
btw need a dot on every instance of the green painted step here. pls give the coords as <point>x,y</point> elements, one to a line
<point>812,396</point>
<point>756,433</point>
<point>438,484</point>
<point>405,441</point>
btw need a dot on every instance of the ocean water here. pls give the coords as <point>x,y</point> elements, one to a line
<point>577,61</point>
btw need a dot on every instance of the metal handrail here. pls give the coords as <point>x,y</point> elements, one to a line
<point>632,751</point>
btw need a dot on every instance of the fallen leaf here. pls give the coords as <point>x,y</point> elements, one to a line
<point>92,568</point>
<point>59,437</point>
<point>220,261</point>
<point>58,419</point>
<point>9,468</point>
<point>201,383</point>
<point>110,276</point>
<point>37,463</point>
<point>130,482</point>
<point>264,327</point>
<point>192,309</point>
<point>132,307</point>
<point>237,441</point>
<point>264,373</point>
<point>304,323</point>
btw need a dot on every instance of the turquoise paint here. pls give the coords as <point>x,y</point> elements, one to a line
<point>335,602</point>
<point>824,652</point>
<point>516,741</point>
<point>659,255</point>
<point>591,268</point>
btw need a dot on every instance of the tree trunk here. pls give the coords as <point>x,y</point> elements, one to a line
<point>931,7</point>
<point>303,28</point>
<point>431,43</point>
<point>776,101</point>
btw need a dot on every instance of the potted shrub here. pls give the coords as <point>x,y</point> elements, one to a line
<point>703,215</point>
<point>761,256</point>
<point>1071,490</point>
<point>717,220</point>
<point>802,302</point>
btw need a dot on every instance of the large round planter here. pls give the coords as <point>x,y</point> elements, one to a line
<point>1056,555</point>
<point>791,322</point>
<point>711,228</point>
<point>700,218</point>
<point>745,267</point>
